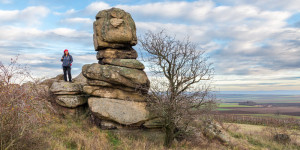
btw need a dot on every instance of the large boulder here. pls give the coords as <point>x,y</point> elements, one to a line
<point>66,88</point>
<point>117,75</point>
<point>114,28</point>
<point>120,111</point>
<point>106,84</point>
<point>107,92</point>
<point>71,101</point>
<point>117,53</point>
<point>129,63</point>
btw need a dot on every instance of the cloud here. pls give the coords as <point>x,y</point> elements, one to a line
<point>244,39</point>
<point>78,20</point>
<point>68,12</point>
<point>30,15</point>
<point>95,7</point>
<point>19,34</point>
<point>291,5</point>
<point>6,1</point>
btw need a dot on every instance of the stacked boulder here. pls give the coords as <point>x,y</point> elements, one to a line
<point>117,84</point>
<point>69,94</point>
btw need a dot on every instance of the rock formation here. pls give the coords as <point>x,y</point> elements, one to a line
<point>117,84</point>
<point>68,94</point>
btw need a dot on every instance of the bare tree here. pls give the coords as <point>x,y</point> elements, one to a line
<point>13,73</point>
<point>180,84</point>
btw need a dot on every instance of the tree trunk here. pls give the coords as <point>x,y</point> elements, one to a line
<point>169,137</point>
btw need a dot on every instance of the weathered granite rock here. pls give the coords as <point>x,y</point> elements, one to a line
<point>30,87</point>
<point>129,63</point>
<point>117,53</point>
<point>49,82</point>
<point>66,88</point>
<point>214,130</point>
<point>114,28</point>
<point>71,101</point>
<point>106,84</point>
<point>107,92</point>
<point>120,111</point>
<point>116,75</point>
<point>80,79</point>
<point>108,125</point>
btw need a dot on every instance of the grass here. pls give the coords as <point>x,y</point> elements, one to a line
<point>232,105</point>
<point>223,109</point>
<point>113,139</point>
<point>259,137</point>
<point>78,134</point>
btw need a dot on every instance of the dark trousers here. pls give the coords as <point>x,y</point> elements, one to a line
<point>67,69</point>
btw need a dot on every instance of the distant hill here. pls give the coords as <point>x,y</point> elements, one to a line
<point>276,92</point>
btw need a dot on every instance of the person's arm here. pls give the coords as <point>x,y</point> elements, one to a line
<point>71,59</point>
<point>62,58</point>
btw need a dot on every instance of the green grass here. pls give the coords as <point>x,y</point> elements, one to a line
<point>113,139</point>
<point>223,109</point>
<point>233,105</point>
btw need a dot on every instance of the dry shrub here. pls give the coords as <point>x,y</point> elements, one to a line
<point>22,108</point>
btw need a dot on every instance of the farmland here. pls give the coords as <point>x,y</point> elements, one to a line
<point>278,110</point>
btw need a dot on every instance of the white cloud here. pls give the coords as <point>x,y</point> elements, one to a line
<point>95,7</point>
<point>29,34</point>
<point>78,20</point>
<point>29,15</point>
<point>291,5</point>
<point>6,1</point>
<point>68,12</point>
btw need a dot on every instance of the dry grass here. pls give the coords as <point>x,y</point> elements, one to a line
<point>260,137</point>
<point>79,134</point>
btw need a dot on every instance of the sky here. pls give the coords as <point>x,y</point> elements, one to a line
<point>253,45</point>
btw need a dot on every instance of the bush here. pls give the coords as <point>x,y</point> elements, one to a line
<point>22,108</point>
<point>282,138</point>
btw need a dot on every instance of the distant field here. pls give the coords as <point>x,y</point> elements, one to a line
<point>270,109</point>
<point>273,116</point>
<point>233,105</point>
<point>259,98</point>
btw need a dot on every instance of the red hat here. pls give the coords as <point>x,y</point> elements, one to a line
<point>65,50</point>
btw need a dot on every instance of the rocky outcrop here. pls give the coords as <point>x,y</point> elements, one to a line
<point>117,84</point>
<point>70,94</point>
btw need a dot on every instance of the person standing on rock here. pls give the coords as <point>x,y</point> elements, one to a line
<point>67,60</point>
